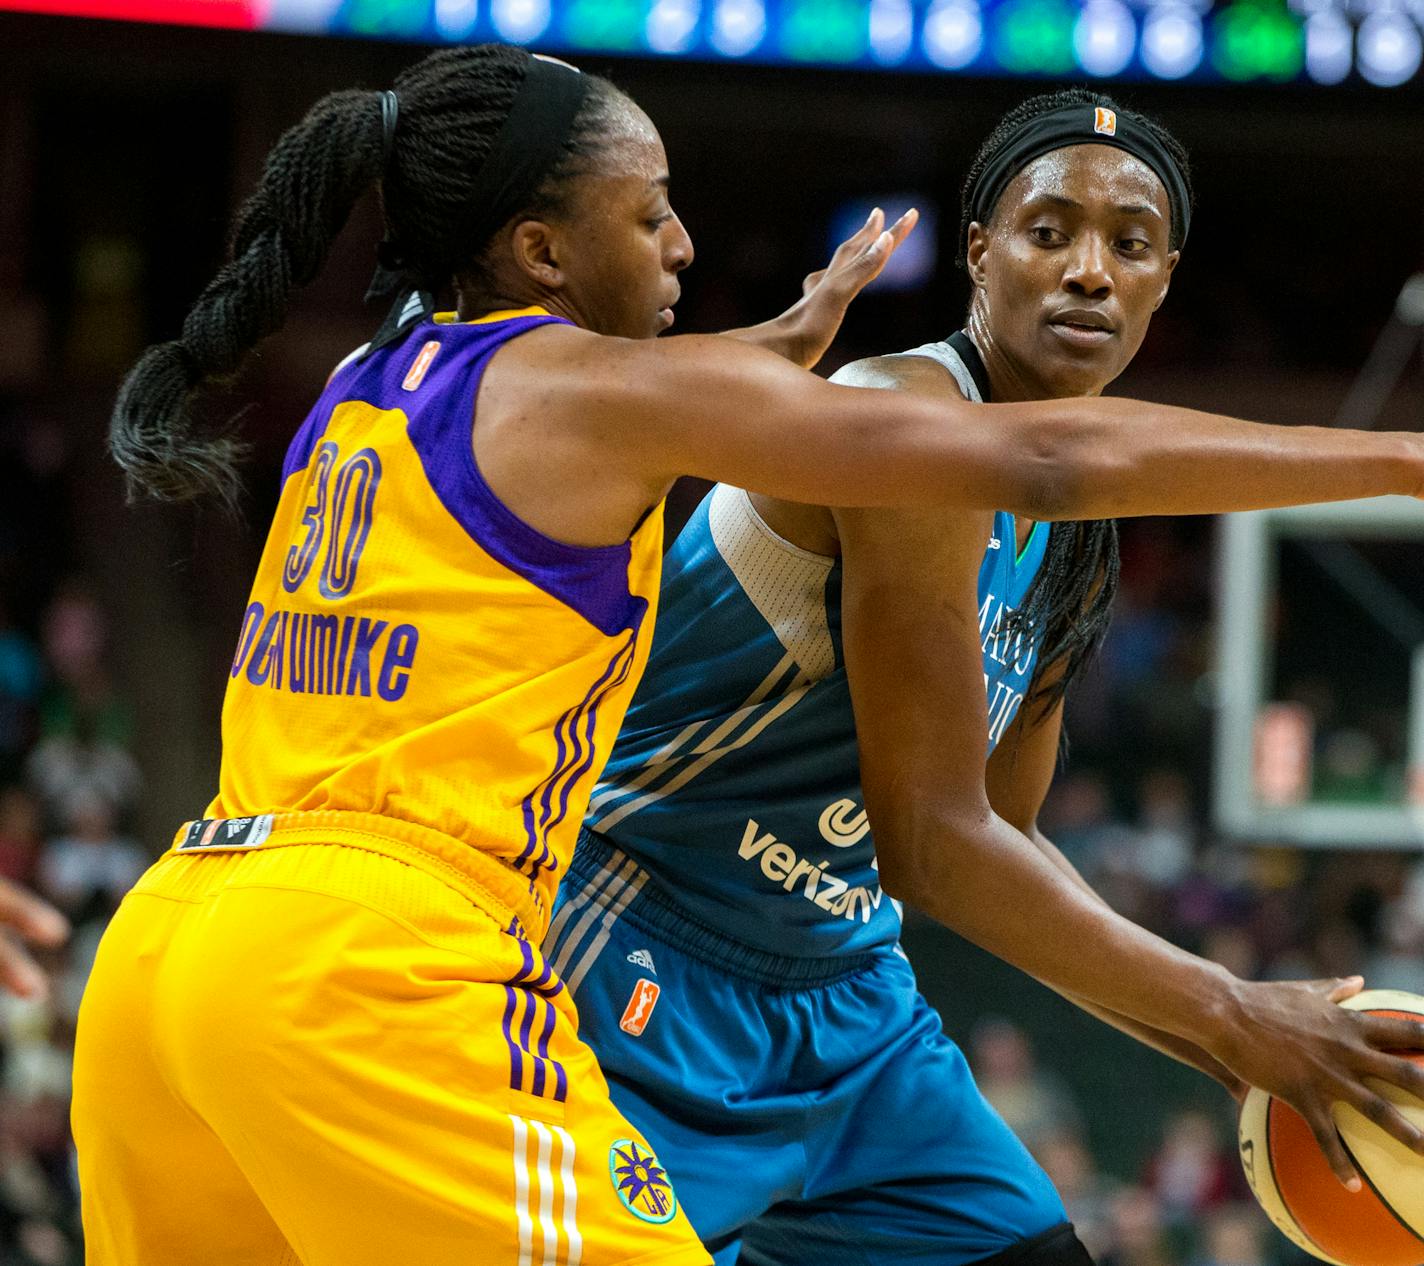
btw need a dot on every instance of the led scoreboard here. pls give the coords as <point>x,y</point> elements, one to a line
<point>1379,42</point>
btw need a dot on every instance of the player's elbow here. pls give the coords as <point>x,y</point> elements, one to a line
<point>920,849</point>
<point>1066,462</point>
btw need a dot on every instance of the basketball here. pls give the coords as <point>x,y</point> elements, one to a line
<point>1382,1224</point>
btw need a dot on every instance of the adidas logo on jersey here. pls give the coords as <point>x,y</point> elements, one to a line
<point>641,958</point>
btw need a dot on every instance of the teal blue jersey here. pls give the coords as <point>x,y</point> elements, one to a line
<point>735,782</point>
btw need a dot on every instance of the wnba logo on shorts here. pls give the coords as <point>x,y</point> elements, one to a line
<point>640,1007</point>
<point>1104,121</point>
<point>641,1183</point>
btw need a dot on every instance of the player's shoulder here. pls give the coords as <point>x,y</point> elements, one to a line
<point>902,371</point>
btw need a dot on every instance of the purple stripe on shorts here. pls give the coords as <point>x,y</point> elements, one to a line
<point>516,1060</point>
<point>527,970</point>
<point>544,1036</point>
<point>528,1024</point>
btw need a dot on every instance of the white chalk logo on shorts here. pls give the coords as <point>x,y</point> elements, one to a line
<point>641,1183</point>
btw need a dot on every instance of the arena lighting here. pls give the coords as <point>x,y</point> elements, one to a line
<point>1311,42</point>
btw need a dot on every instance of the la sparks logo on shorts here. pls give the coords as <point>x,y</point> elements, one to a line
<point>641,1183</point>
<point>1104,121</point>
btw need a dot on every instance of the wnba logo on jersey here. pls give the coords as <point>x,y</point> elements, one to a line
<point>641,1183</point>
<point>423,361</point>
<point>640,1007</point>
<point>1104,121</point>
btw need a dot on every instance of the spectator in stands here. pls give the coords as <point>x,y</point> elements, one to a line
<point>1234,1235</point>
<point>1138,1236</point>
<point>19,834</point>
<point>87,870</point>
<point>1087,1194</point>
<point>1035,1104</point>
<point>1193,1171</point>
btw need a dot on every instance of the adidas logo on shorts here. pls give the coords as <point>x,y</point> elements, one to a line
<point>641,958</point>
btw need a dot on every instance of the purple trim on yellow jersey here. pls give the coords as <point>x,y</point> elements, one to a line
<point>576,755</point>
<point>592,580</point>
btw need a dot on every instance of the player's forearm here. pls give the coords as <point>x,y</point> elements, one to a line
<point>1124,457</point>
<point>993,886</point>
<point>1169,1044</point>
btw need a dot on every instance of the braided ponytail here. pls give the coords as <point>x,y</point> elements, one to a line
<point>452,105</point>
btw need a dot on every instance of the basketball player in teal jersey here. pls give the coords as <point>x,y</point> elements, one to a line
<point>729,927</point>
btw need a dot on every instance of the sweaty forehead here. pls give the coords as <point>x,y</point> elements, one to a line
<point>633,147</point>
<point>1091,175</point>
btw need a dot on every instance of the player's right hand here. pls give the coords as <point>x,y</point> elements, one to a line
<point>1293,1041</point>
<point>23,915</point>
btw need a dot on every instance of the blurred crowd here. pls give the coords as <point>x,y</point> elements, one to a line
<point>68,786</point>
<point>1188,1205</point>
<point>1129,809</point>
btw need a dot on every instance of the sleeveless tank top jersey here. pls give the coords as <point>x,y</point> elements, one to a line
<point>416,663</point>
<point>734,784</point>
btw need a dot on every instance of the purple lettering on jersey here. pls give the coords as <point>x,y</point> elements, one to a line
<point>259,667</point>
<point>368,633</point>
<point>400,655</point>
<point>278,645</point>
<point>251,622</point>
<point>348,626</point>
<point>297,654</point>
<point>323,654</point>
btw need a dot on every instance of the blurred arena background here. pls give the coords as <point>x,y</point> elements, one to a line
<point>123,147</point>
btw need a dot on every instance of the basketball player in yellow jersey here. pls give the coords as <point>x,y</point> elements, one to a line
<point>319,1031</point>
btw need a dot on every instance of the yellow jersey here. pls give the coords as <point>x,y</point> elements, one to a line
<point>416,662</point>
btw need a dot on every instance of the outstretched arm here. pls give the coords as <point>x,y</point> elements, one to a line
<point>706,406</point>
<point>914,663</point>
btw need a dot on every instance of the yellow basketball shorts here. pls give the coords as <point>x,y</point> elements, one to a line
<point>321,1055</point>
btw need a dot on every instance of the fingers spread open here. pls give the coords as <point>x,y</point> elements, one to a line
<point>1328,1137</point>
<point>1378,1110</point>
<point>1390,1033</point>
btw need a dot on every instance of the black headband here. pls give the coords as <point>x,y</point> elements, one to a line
<point>1080,125</point>
<point>526,149</point>
<point>530,141</point>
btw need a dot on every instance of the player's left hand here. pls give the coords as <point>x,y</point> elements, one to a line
<point>827,292</point>
<point>805,330</point>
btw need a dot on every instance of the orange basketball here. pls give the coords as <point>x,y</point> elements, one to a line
<point>1380,1225</point>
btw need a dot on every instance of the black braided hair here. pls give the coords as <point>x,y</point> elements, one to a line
<point>452,105</point>
<point>1069,604</point>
